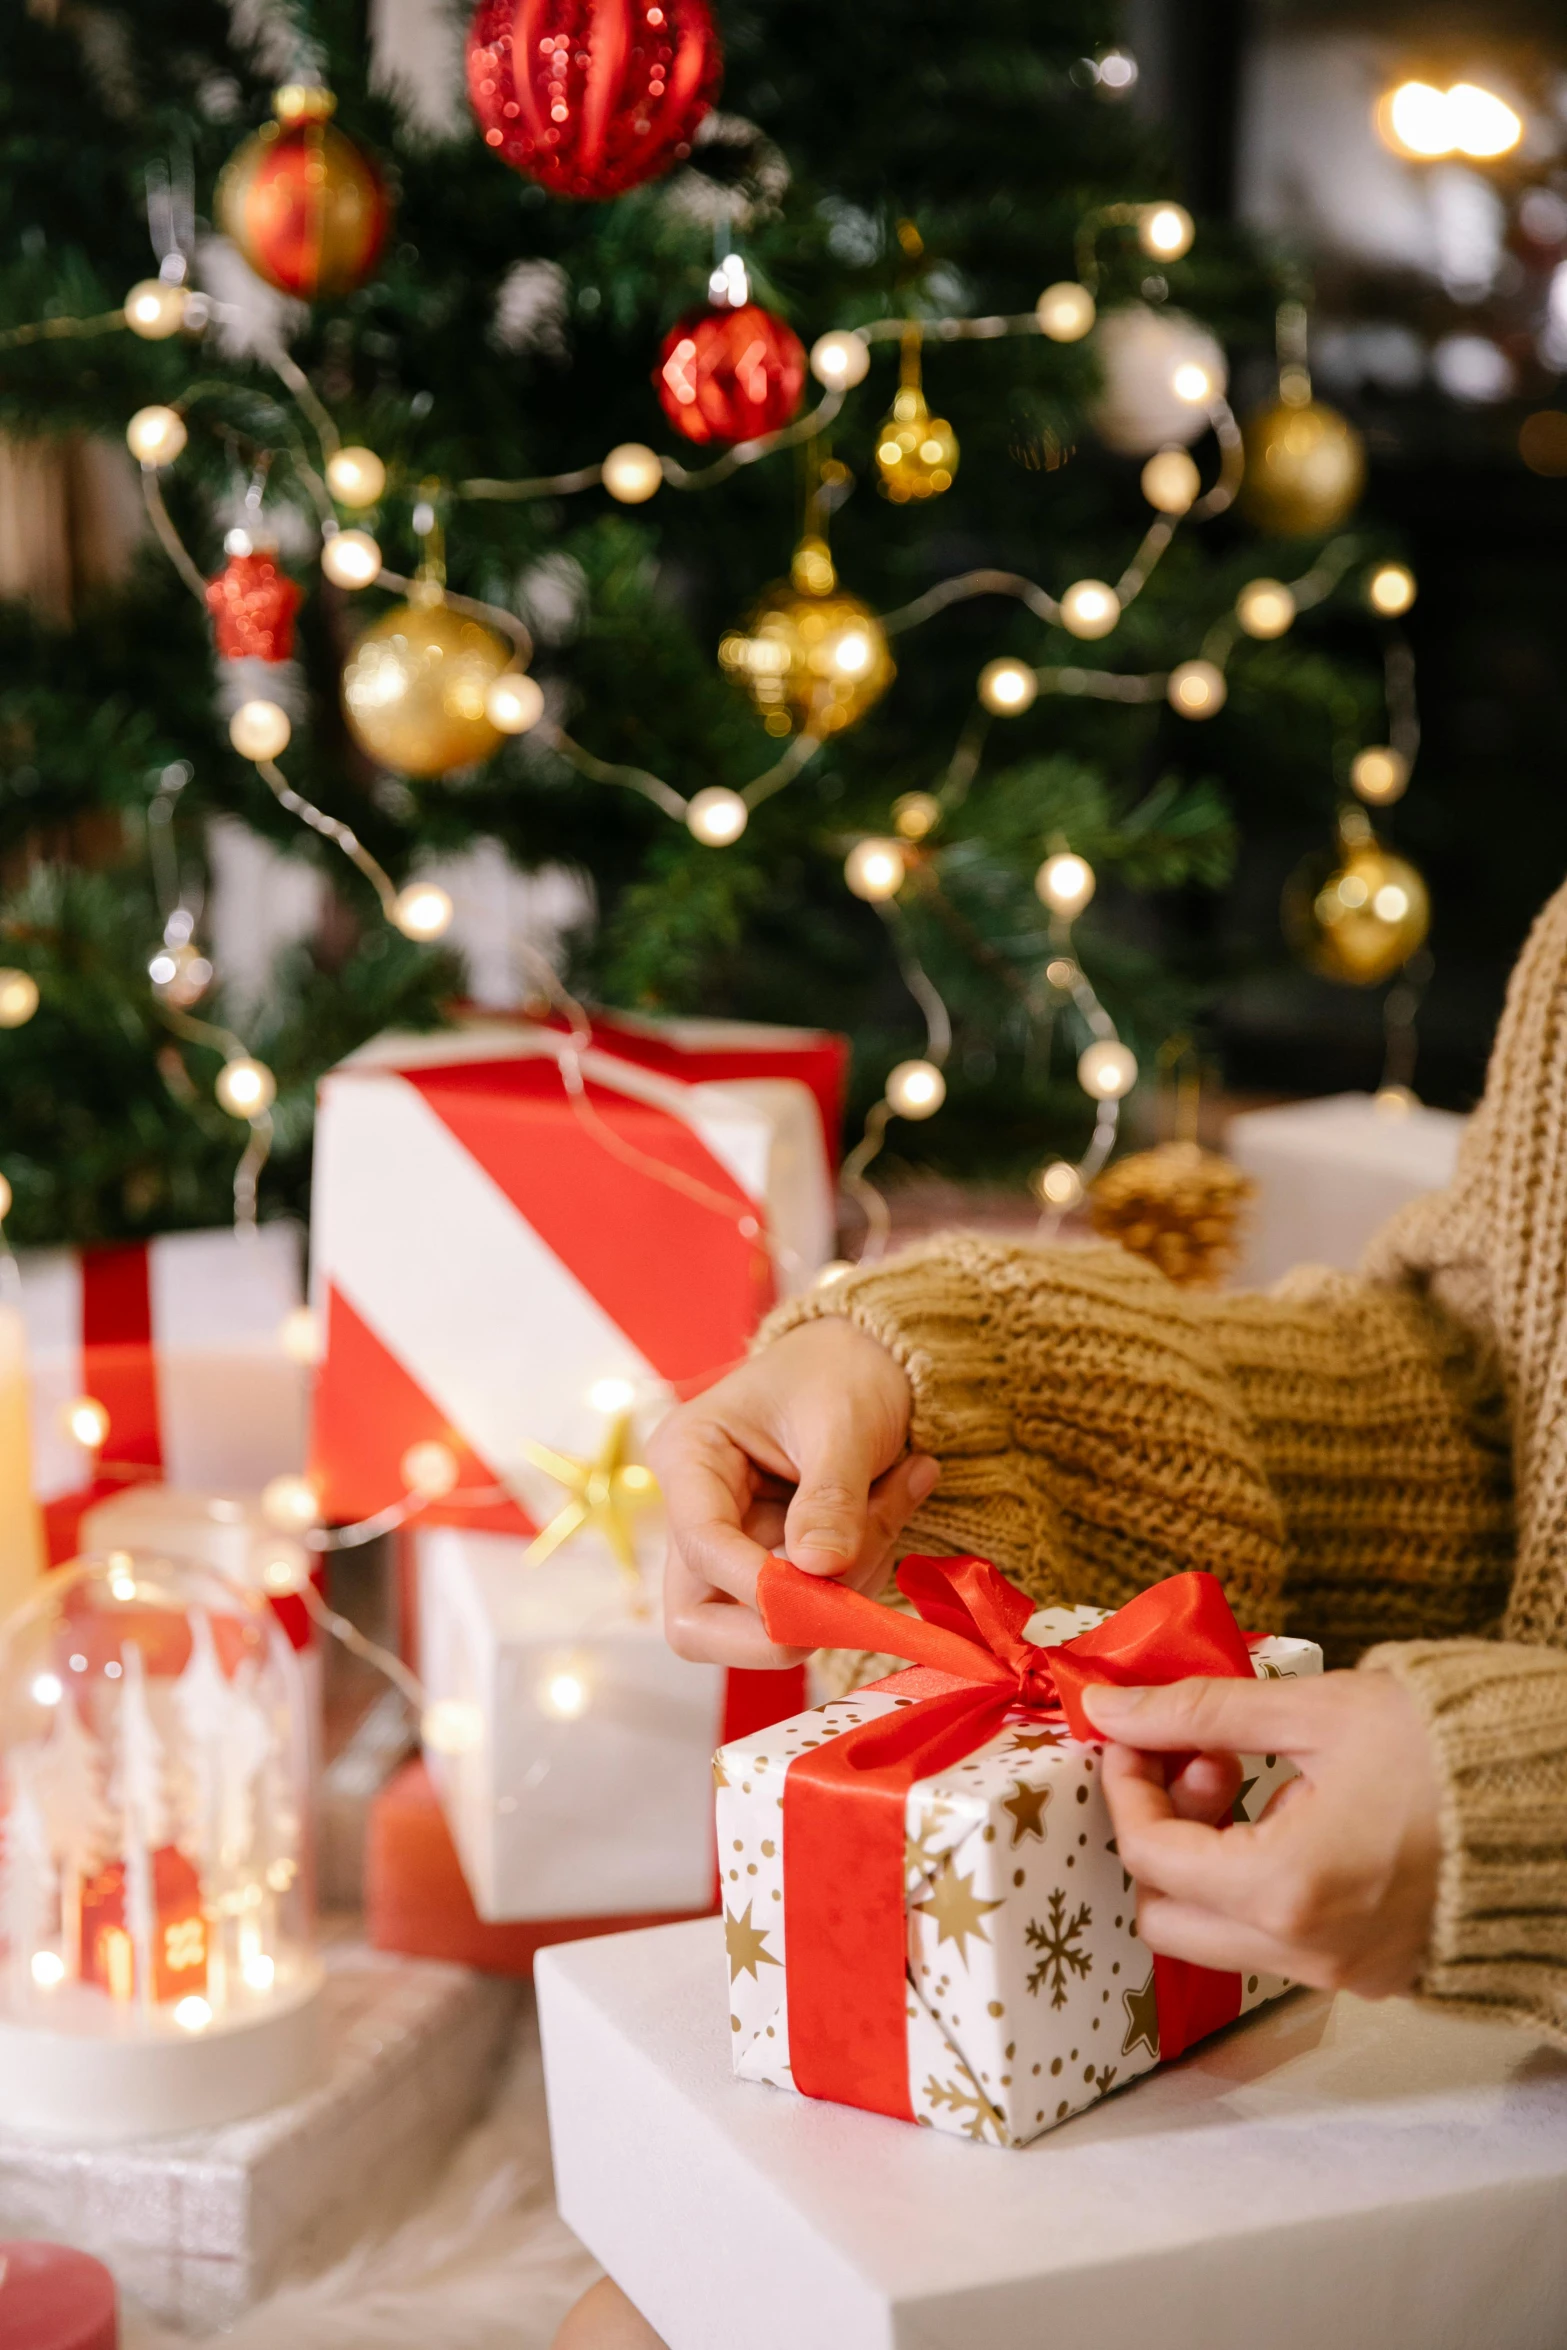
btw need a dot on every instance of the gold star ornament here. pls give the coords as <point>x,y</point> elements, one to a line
<point>604,1495</point>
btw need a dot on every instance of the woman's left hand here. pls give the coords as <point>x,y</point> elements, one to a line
<point>1335,1885</point>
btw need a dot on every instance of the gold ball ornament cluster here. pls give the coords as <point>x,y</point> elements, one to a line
<point>1177,1205</point>
<point>417,686</point>
<point>810,656</point>
<point>1357,918</point>
<point>1305,468</point>
<point>916,453</point>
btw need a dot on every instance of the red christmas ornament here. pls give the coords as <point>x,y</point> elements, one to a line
<point>307,208</point>
<point>591,97</point>
<point>253,605</point>
<point>730,375</point>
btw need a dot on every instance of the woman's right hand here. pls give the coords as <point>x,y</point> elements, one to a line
<point>799,1450</point>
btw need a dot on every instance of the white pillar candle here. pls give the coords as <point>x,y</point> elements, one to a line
<point>21,1530</point>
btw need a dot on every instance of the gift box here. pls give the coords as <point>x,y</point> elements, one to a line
<point>504,1223</point>
<point>576,1761</point>
<point>924,1908</point>
<point>182,1340</point>
<point>1329,1172</point>
<point>225,1531</point>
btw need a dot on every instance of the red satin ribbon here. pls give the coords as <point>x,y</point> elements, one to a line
<point>845,1928</point>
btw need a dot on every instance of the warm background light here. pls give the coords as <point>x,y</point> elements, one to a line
<point>351,559</point>
<point>717,816</point>
<point>1065,883</point>
<point>1171,481</point>
<point>875,869</point>
<point>1107,1070</point>
<point>1090,608</point>
<point>1197,689</point>
<point>1265,607</point>
<point>840,360</point>
<point>423,910</point>
<point>1391,589</point>
<point>1065,311</point>
<point>260,730</point>
<point>355,477</point>
<point>632,472</point>
<point>1008,687</point>
<point>916,1089</point>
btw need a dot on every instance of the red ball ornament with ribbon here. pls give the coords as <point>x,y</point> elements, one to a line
<point>592,97</point>
<point>253,605</point>
<point>730,375</point>
<point>307,207</point>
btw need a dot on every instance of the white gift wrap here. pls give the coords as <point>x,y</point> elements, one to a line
<point>605,1813</point>
<point>231,1403</point>
<point>1328,1173</point>
<point>1029,1994</point>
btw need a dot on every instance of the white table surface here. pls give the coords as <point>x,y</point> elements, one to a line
<point>1329,2175</point>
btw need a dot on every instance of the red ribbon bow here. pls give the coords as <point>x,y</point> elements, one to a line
<point>845,1927</point>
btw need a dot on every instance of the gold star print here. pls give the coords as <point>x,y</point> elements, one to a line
<point>1030,1741</point>
<point>957,1910</point>
<point>1027,1804</point>
<point>746,1945</point>
<point>1238,1807</point>
<point>720,1775</point>
<point>604,1494</point>
<point>1142,2018</point>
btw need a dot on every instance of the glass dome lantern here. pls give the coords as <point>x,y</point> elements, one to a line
<point>157,1961</point>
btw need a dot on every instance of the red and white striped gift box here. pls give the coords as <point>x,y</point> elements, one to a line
<point>485,1249</point>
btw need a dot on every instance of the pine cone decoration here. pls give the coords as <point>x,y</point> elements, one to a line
<point>1177,1205</point>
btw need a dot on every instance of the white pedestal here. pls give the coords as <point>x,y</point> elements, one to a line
<point>1328,2173</point>
<point>1328,1173</point>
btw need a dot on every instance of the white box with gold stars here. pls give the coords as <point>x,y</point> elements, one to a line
<point>1029,1993</point>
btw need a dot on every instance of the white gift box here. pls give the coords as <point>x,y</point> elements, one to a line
<point>581,1784</point>
<point>181,1339</point>
<point>489,1246</point>
<point>1328,1173</point>
<point>1028,1995</point>
<point>1334,2173</point>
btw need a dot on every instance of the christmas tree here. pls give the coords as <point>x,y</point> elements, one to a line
<point>862,170</point>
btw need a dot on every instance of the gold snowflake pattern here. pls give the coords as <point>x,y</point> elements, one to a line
<point>1058,1944</point>
<point>953,2097</point>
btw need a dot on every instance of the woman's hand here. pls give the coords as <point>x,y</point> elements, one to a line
<point>1335,1885</point>
<point>799,1450</point>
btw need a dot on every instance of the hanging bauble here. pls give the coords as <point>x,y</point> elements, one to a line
<point>916,453</point>
<point>416,685</point>
<point>810,656</point>
<point>1359,916</point>
<point>730,375</point>
<point>1160,375</point>
<point>307,207</point>
<point>1178,1205</point>
<point>591,97</point>
<point>1305,468</point>
<point>252,605</point>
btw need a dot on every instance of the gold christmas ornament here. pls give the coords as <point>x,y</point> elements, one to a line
<point>1265,608</point>
<point>915,815</point>
<point>716,816</point>
<point>154,310</point>
<point>1090,608</point>
<point>916,453</point>
<point>810,656</point>
<point>604,1495</point>
<point>355,476</point>
<point>1171,481</point>
<point>416,686</point>
<point>18,998</point>
<point>1305,468</point>
<point>1357,917</point>
<point>916,1089</point>
<point>840,360</point>
<point>155,436</point>
<point>1065,311</point>
<point>1197,689</point>
<point>1008,687</point>
<point>351,559</point>
<point>1379,774</point>
<point>1391,589</point>
<point>632,472</point>
<point>1177,1205</point>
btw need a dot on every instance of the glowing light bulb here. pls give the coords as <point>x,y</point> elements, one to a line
<point>1197,689</point>
<point>1090,608</point>
<point>246,1088</point>
<point>280,1566</point>
<point>875,869</point>
<point>155,311</point>
<point>1391,902</point>
<point>291,1504</point>
<point>18,998</point>
<point>566,1689</point>
<point>1059,1185</point>
<point>155,436</point>
<point>515,702</point>
<point>612,1395</point>
<point>452,1725</point>
<point>85,1420</point>
<point>1164,231</point>
<point>1391,589</point>
<point>1065,883</point>
<point>1008,687</point>
<point>47,1968</point>
<point>632,472</point>
<point>915,814</point>
<point>351,559</point>
<point>1065,311</point>
<point>5,1199</point>
<point>192,2014</point>
<point>1379,774</point>
<point>299,1335</point>
<point>423,910</point>
<point>47,1689</point>
<point>260,730</point>
<point>840,360</point>
<point>1415,118</point>
<point>717,816</point>
<point>259,1971</point>
<point>429,1469</point>
<point>355,477</point>
<point>1107,1069</point>
<point>852,652</point>
<point>916,1089</point>
<point>1171,481</point>
<point>1265,607</point>
<point>1479,124</point>
<point>1192,383</point>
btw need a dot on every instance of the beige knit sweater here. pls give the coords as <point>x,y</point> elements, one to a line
<point>1377,1462</point>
